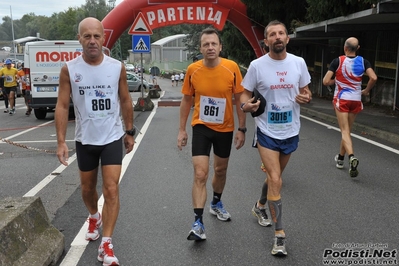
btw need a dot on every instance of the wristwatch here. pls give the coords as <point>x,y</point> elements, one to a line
<point>242,129</point>
<point>131,132</point>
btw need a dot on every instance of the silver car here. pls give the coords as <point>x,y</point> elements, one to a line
<point>134,82</point>
<point>129,67</point>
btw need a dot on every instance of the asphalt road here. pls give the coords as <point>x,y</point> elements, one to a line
<point>324,210</point>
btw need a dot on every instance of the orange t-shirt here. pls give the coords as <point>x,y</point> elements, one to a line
<point>213,90</point>
<point>21,75</point>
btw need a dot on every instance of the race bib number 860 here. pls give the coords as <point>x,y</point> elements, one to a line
<point>101,104</point>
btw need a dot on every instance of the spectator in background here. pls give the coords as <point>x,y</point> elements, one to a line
<point>5,95</point>
<point>172,77</point>
<point>182,78</point>
<point>177,77</point>
<point>152,77</point>
<point>9,74</point>
<point>22,84</point>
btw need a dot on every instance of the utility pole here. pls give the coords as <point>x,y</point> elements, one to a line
<point>116,51</point>
<point>14,45</point>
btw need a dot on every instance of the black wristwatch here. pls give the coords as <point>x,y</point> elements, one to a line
<point>131,132</point>
<point>242,129</point>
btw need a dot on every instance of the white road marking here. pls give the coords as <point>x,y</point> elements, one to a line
<point>79,244</point>
<point>26,131</point>
<point>49,178</point>
<point>354,135</point>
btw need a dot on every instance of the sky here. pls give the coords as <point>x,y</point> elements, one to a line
<point>39,7</point>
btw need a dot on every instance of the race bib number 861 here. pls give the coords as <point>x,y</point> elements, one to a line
<point>212,109</point>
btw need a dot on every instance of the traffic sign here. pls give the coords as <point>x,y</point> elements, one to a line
<point>140,26</point>
<point>141,44</point>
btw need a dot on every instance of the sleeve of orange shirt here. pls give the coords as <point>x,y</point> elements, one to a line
<point>21,77</point>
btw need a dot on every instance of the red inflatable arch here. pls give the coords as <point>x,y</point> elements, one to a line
<point>160,13</point>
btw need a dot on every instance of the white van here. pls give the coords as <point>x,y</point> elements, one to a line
<point>42,64</point>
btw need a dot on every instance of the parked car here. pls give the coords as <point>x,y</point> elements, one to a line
<point>198,57</point>
<point>6,48</point>
<point>134,82</point>
<point>129,67</point>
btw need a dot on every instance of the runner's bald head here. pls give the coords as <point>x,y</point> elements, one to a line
<point>90,22</point>
<point>352,44</point>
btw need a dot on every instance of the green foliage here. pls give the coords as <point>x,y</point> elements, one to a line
<point>96,8</point>
<point>235,46</point>
<point>319,10</point>
<point>192,41</point>
<point>261,12</point>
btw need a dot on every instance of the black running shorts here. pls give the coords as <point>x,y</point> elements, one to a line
<point>89,156</point>
<point>204,138</point>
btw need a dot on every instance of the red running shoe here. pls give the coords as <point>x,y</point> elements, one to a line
<point>94,224</point>
<point>106,254</point>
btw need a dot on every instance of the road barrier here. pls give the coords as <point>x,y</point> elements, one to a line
<point>26,234</point>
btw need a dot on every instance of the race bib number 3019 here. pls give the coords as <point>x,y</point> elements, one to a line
<point>212,109</point>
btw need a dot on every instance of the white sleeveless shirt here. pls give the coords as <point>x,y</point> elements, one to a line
<point>96,100</point>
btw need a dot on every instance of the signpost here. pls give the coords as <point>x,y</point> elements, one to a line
<point>141,44</point>
<point>141,31</point>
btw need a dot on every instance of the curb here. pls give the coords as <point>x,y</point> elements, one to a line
<point>164,103</point>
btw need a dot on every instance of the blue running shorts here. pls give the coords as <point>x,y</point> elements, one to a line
<point>285,146</point>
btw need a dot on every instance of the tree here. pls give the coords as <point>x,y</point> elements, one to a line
<point>6,29</point>
<point>286,11</point>
<point>66,25</point>
<point>96,8</point>
<point>319,10</point>
<point>235,46</point>
<point>32,25</point>
<point>260,13</point>
<point>192,41</point>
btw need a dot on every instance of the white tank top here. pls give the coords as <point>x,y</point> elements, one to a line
<point>96,100</point>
